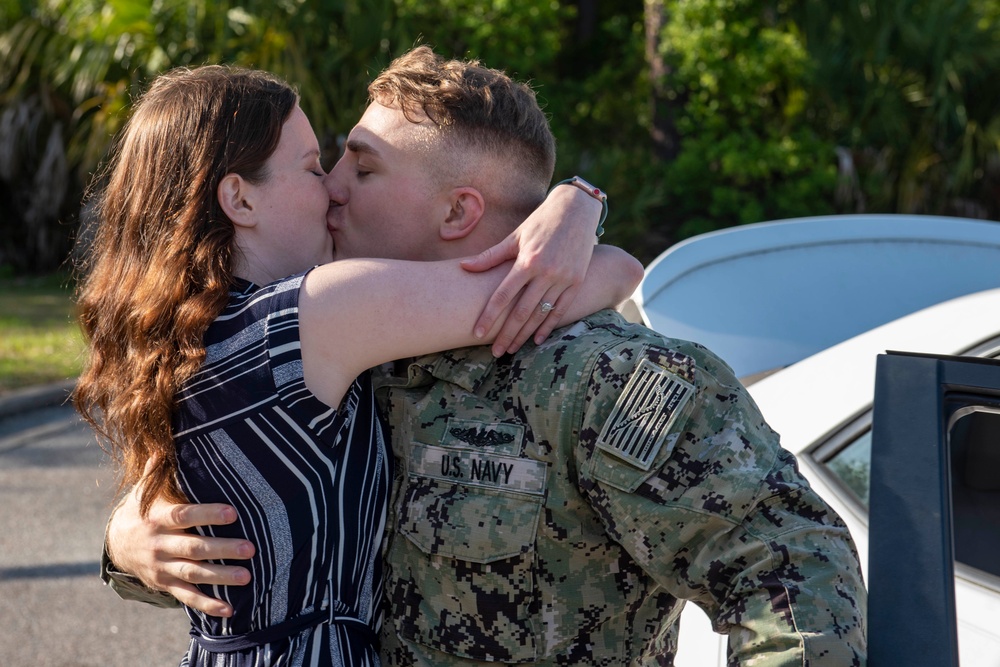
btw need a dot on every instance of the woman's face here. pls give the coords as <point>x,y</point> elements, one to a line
<point>289,207</point>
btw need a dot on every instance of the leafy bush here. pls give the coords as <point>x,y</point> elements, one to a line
<point>907,88</point>
<point>748,152</point>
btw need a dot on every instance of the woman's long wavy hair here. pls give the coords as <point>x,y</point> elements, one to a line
<point>160,266</point>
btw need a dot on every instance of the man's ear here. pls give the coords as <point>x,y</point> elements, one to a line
<point>232,193</point>
<point>467,208</point>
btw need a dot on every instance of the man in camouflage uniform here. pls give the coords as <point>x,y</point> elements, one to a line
<point>557,506</point>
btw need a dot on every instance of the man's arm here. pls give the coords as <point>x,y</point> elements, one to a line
<point>155,559</point>
<point>721,515</point>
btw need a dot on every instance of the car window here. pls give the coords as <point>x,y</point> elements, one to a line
<point>852,467</point>
<point>974,435</point>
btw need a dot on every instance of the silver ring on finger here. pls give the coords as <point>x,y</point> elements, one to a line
<point>545,306</point>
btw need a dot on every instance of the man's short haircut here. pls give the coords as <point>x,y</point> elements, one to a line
<point>478,109</point>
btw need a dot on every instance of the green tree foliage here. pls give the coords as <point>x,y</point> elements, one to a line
<point>803,107</point>
<point>747,152</point>
<point>493,31</point>
<point>603,119</point>
<point>908,89</point>
<point>695,115</point>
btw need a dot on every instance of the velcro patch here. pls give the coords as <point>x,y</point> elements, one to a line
<point>644,414</point>
<point>483,469</point>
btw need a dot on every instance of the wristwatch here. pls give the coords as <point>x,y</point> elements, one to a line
<point>595,192</point>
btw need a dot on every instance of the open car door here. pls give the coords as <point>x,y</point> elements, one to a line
<point>935,500</point>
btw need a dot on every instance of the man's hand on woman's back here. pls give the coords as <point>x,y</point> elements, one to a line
<point>160,552</point>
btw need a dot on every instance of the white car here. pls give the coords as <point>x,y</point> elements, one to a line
<point>801,309</point>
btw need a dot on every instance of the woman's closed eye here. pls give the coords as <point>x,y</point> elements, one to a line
<point>316,167</point>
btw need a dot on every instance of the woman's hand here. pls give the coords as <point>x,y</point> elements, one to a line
<point>552,250</point>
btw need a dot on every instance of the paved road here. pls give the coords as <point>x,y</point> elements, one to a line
<point>56,491</point>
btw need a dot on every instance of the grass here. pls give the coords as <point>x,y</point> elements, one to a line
<point>39,339</point>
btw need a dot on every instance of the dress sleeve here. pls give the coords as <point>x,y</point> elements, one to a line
<point>687,476</point>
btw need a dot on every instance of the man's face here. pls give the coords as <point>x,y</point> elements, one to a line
<point>386,201</point>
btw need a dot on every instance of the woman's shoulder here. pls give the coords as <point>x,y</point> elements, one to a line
<point>241,288</point>
<point>251,305</point>
<point>276,295</point>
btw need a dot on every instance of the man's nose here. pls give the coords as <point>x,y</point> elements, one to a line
<point>335,183</point>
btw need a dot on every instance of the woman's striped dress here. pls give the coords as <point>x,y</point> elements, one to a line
<point>310,484</point>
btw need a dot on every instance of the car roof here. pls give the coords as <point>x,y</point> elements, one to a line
<point>765,295</point>
<point>808,399</point>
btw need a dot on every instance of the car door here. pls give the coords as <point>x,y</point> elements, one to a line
<point>934,500</point>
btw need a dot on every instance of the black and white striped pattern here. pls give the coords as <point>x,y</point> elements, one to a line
<point>310,484</point>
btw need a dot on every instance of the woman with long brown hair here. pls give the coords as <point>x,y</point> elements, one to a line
<point>224,367</point>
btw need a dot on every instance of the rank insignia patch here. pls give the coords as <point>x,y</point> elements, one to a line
<point>646,410</point>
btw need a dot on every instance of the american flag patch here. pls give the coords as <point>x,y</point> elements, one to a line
<point>642,417</point>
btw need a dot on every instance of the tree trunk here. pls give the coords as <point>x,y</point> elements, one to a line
<point>666,139</point>
<point>586,20</point>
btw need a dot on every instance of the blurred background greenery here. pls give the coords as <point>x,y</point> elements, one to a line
<point>694,115</point>
<point>39,339</point>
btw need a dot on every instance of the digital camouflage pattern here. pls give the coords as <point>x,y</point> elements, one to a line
<point>556,506</point>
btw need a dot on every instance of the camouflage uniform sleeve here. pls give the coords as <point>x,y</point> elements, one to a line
<point>130,587</point>
<point>686,475</point>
